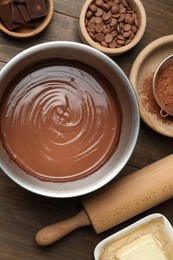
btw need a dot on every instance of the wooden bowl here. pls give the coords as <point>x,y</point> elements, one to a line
<point>26,32</point>
<point>141,76</point>
<point>137,6</point>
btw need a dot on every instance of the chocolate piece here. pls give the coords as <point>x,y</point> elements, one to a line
<point>19,1</point>
<point>36,9</point>
<point>6,16</point>
<point>24,12</point>
<point>16,15</point>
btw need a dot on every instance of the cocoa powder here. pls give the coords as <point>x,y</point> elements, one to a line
<point>164,89</point>
<point>148,100</point>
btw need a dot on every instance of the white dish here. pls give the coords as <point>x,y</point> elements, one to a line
<point>167,226</point>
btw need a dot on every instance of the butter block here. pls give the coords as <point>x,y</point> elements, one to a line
<point>144,248</point>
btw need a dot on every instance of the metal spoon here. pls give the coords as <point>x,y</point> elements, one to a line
<point>166,62</point>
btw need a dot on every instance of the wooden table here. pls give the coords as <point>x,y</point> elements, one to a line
<point>22,213</point>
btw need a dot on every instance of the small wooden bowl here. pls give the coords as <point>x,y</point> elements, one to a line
<point>137,6</point>
<point>27,32</point>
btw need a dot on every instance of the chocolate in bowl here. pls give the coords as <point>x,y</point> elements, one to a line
<point>60,121</point>
<point>129,109</point>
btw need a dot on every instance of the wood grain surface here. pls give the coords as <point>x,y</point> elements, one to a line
<point>22,213</point>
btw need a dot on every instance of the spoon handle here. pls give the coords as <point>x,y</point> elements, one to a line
<point>54,232</point>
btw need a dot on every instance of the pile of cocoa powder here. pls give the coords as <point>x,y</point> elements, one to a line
<point>148,100</point>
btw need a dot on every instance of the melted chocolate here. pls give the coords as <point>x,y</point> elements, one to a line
<point>60,122</point>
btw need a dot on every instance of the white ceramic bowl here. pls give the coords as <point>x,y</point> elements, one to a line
<point>130,114</point>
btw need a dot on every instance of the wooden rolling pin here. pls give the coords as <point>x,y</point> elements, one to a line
<point>118,201</point>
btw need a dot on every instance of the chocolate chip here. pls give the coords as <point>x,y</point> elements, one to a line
<point>99,12</point>
<point>121,42</point>
<point>106,16</point>
<point>108,38</point>
<point>113,22</point>
<point>93,8</point>
<point>107,31</point>
<point>89,14</point>
<point>122,10</point>
<point>115,9</point>
<point>98,28</point>
<point>104,44</point>
<point>127,27</point>
<point>127,34</point>
<point>99,2</point>
<point>134,29</point>
<point>113,44</point>
<point>120,37</point>
<point>98,20</point>
<point>99,37</point>
<point>121,18</point>
<point>92,35</point>
<point>24,12</point>
<point>131,20</point>
<point>114,34</point>
<point>105,7</point>
<point>91,24</point>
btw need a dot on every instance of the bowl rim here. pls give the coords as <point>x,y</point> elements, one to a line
<point>112,51</point>
<point>36,30</point>
<point>130,146</point>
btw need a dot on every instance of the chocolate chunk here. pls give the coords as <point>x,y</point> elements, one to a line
<point>36,9</point>
<point>24,12</point>
<point>16,15</point>
<point>6,16</point>
<point>22,17</point>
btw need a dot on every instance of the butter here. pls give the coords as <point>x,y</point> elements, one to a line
<point>144,248</point>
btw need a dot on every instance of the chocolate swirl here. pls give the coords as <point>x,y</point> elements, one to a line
<point>60,122</point>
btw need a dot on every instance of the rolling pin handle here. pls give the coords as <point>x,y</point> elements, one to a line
<point>54,232</point>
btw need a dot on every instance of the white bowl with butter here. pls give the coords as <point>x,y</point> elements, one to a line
<point>150,238</point>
